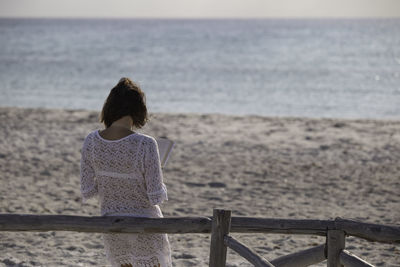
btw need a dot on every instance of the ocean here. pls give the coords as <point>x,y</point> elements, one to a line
<point>318,68</point>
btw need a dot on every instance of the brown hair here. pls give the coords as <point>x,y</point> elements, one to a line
<point>125,99</point>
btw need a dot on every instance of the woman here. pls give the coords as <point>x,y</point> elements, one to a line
<point>123,168</point>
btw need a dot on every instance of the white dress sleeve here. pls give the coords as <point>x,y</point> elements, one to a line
<point>87,174</point>
<point>156,189</point>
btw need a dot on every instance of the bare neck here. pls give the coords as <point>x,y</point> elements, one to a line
<point>118,129</point>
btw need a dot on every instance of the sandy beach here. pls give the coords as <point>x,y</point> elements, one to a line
<point>256,166</point>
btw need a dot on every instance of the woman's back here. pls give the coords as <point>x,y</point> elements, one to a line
<point>127,174</point>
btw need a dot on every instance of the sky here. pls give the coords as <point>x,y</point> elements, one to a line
<point>200,8</point>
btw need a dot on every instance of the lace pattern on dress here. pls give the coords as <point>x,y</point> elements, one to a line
<point>158,196</point>
<point>126,176</point>
<point>116,174</point>
<point>88,183</point>
<point>158,260</point>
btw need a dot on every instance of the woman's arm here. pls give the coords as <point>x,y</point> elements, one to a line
<point>156,189</point>
<point>87,175</point>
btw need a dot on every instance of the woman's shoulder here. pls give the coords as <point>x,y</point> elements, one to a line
<point>89,137</point>
<point>146,139</point>
<point>91,134</point>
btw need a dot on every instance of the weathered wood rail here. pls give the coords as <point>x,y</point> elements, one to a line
<point>220,225</point>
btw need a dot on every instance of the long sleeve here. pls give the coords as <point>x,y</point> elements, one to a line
<point>87,175</point>
<point>156,189</point>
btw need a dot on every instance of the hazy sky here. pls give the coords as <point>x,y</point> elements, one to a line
<point>200,8</point>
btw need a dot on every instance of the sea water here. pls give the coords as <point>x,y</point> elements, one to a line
<point>344,68</point>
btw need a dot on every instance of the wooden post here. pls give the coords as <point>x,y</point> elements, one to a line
<point>220,227</point>
<point>335,245</point>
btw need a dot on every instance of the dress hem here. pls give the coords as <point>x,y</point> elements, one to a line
<point>154,260</point>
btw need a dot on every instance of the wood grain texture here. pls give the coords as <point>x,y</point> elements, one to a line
<point>369,231</point>
<point>336,243</point>
<point>247,253</point>
<point>176,225</point>
<point>103,224</point>
<point>220,228</point>
<point>350,260</point>
<point>302,258</point>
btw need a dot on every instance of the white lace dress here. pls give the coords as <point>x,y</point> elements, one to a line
<point>126,176</point>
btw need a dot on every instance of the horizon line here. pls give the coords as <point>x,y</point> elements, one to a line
<point>202,17</point>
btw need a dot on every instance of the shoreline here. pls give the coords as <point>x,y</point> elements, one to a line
<point>256,166</point>
<point>355,119</point>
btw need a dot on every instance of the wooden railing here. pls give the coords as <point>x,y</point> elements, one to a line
<point>220,225</point>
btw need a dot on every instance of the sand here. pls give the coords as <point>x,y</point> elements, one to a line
<point>256,166</point>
